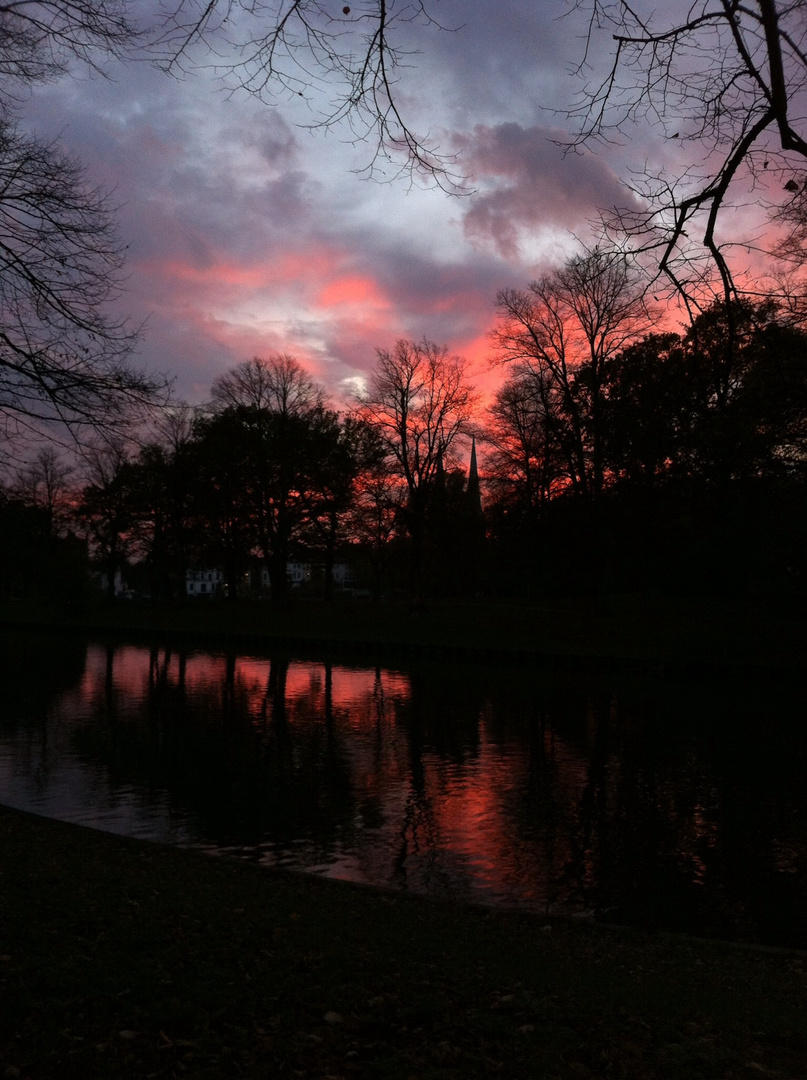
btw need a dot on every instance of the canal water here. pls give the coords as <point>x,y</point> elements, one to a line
<point>577,790</point>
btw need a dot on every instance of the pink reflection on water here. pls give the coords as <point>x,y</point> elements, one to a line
<point>421,822</point>
<point>452,781</point>
<point>130,669</point>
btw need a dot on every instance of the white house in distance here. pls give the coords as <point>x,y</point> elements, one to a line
<point>209,583</point>
<point>300,574</point>
<point>205,583</point>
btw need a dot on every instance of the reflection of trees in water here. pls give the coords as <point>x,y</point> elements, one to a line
<point>480,763</point>
<point>35,668</point>
<point>245,775</point>
<point>439,724</point>
<point>678,823</point>
<point>36,671</point>
<point>555,789</point>
<point>653,800</point>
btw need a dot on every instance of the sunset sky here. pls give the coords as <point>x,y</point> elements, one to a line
<point>249,235</point>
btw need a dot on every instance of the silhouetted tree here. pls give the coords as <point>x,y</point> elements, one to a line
<point>562,332</point>
<point>105,508</point>
<point>45,484</point>
<point>279,436</point>
<point>163,490</point>
<point>727,435</point>
<point>650,396</point>
<point>221,509</point>
<point>278,385</point>
<point>344,450</point>
<point>36,562</point>
<point>706,446</point>
<point>376,516</point>
<point>421,403</point>
<point>525,461</point>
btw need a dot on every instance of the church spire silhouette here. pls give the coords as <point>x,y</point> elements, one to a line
<point>473,493</point>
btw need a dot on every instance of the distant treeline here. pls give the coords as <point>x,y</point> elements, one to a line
<point>611,459</point>
<point>677,464</point>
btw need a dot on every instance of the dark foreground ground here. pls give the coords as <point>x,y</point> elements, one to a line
<point>124,959</point>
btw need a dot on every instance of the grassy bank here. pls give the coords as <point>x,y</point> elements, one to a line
<point>680,634</point>
<point>122,959</point>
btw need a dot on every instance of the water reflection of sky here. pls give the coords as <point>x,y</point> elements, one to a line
<point>466,782</point>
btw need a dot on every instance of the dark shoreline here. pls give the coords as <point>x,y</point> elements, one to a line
<point>120,958</point>
<point>680,638</point>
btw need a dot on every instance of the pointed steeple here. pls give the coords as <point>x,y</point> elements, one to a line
<point>472,492</point>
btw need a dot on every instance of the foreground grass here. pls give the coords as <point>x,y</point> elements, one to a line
<point>124,959</point>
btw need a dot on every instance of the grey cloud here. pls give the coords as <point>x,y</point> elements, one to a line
<point>206,181</point>
<point>528,182</point>
<point>509,58</point>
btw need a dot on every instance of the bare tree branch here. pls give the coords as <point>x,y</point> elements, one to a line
<point>63,356</point>
<point>344,59</point>
<point>724,78</point>
<point>39,38</point>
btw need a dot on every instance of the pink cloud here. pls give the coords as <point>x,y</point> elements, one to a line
<point>352,289</point>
